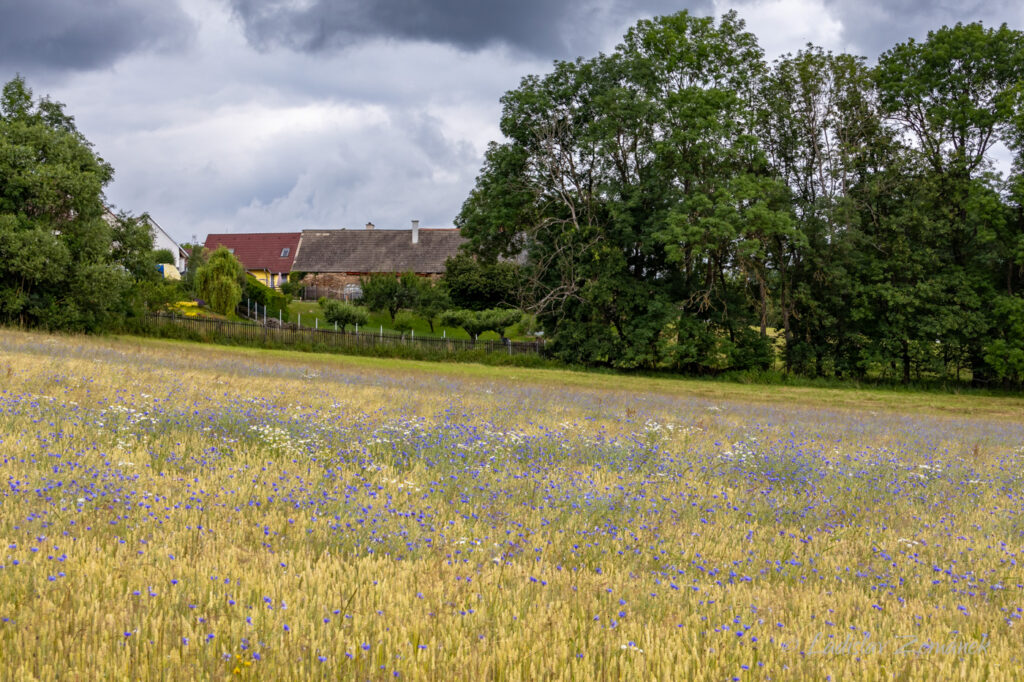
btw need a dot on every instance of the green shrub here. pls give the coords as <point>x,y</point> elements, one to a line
<point>343,314</point>
<point>403,323</point>
<point>275,302</point>
<point>164,256</point>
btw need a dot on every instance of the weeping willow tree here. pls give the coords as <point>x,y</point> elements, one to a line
<point>220,281</point>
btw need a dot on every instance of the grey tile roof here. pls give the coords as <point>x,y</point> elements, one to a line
<point>367,251</point>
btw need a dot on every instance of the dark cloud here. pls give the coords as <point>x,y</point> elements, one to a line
<point>77,35</point>
<point>540,27</point>
<point>872,28</point>
<point>470,24</point>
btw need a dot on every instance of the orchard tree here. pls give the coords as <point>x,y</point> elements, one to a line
<point>386,292</point>
<point>382,292</point>
<point>476,322</point>
<point>430,300</point>
<point>477,284</point>
<point>343,314</point>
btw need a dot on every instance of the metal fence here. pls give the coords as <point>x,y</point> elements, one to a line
<point>290,334</point>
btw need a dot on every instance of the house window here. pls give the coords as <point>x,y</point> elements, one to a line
<point>230,250</point>
<point>284,252</point>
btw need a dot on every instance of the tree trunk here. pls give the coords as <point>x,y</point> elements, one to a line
<point>764,307</point>
<point>787,332</point>
<point>906,360</point>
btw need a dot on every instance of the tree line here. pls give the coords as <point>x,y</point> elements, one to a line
<point>67,261</point>
<point>681,203</point>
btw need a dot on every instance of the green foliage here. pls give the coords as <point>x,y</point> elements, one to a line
<point>275,302</point>
<point>132,246</point>
<point>293,287</point>
<point>955,96</point>
<point>163,256</point>
<point>475,284</point>
<point>154,295</point>
<point>197,258</point>
<point>1005,353</point>
<point>476,322</point>
<point>636,189</point>
<point>385,292</point>
<point>429,299</point>
<point>219,282</point>
<point>404,323</point>
<point>678,197</point>
<point>343,314</point>
<point>62,266</point>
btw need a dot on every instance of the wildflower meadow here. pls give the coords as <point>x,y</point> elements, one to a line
<point>178,512</point>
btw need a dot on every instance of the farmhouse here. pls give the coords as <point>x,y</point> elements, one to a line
<point>335,259</point>
<point>161,240</point>
<point>267,256</point>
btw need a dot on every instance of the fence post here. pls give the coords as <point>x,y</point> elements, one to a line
<point>299,323</point>
<point>382,331</point>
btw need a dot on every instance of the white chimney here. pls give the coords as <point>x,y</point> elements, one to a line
<point>415,232</point>
<point>369,226</point>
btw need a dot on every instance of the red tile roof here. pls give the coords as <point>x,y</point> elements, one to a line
<point>260,250</point>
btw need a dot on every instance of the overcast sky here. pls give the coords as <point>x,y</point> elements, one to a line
<point>283,115</point>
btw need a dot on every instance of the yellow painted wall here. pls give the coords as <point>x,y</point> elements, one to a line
<point>265,277</point>
<point>262,275</point>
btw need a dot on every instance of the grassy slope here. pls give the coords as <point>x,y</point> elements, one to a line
<point>909,401</point>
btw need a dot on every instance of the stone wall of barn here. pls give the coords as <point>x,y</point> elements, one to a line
<point>332,284</point>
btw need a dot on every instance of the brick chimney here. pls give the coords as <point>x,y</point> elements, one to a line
<point>415,232</point>
<point>369,226</point>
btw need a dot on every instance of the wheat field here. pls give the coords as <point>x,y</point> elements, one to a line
<point>181,512</point>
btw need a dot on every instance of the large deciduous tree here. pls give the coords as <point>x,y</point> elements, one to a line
<point>953,97</point>
<point>638,191</point>
<point>58,269</point>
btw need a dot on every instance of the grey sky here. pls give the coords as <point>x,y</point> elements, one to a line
<point>272,115</point>
<point>74,35</point>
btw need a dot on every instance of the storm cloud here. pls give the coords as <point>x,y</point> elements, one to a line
<point>73,35</point>
<point>870,28</point>
<point>281,115</point>
<point>540,27</point>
